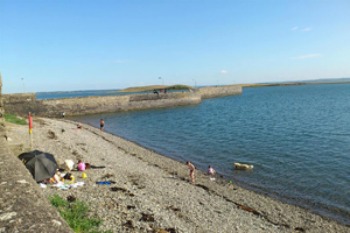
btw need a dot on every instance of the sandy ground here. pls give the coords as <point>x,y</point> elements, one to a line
<point>151,193</point>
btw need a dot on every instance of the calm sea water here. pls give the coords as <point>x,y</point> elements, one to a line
<point>297,138</point>
<point>71,94</point>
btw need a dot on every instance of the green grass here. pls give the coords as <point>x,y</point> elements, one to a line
<point>15,119</point>
<point>76,215</point>
<point>180,87</point>
<point>156,87</point>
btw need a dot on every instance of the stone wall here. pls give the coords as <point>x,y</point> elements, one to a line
<point>140,102</point>
<point>1,103</point>
<point>104,104</point>
<point>23,208</point>
<point>2,112</point>
<point>84,105</point>
<point>219,91</point>
<point>21,104</point>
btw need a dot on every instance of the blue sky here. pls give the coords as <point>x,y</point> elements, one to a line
<point>80,44</point>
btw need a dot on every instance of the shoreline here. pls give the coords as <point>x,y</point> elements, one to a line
<point>322,211</point>
<point>151,184</point>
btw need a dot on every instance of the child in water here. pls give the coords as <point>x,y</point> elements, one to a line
<point>211,171</point>
<point>102,124</point>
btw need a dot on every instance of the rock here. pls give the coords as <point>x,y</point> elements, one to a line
<point>7,216</point>
<point>22,182</point>
<point>56,222</point>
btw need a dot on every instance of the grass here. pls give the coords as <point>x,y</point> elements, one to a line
<point>179,87</point>
<point>14,119</point>
<point>76,215</point>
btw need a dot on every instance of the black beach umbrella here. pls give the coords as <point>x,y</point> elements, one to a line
<point>40,164</point>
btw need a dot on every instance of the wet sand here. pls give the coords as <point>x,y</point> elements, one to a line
<point>152,193</point>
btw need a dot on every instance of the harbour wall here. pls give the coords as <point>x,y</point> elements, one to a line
<point>21,104</point>
<point>2,112</point>
<point>219,91</point>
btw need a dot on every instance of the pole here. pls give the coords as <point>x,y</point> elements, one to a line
<point>162,80</point>
<point>23,84</point>
<point>195,83</point>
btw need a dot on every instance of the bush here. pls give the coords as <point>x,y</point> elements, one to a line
<point>76,215</point>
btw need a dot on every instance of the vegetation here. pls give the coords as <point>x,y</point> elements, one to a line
<point>156,87</point>
<point>143,88</point>
<point>179,87</point>
<point>15,119</point>
<point>76,215</point>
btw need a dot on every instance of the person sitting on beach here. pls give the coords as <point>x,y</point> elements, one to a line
<point>192,169</point>
<point>211,171</point>
<point>55,179</point>
<point>68,165</point>
<point>81,166</point>
<point>102,124</point>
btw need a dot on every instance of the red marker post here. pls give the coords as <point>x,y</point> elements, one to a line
<point>30,123</point>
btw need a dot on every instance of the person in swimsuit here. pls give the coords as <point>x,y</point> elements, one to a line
<point>211,171</point>
<point>81,166</point>
<point>192,169</point>
<point>102,124</point>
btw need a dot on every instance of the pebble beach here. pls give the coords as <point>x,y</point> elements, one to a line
<point>148,192</point>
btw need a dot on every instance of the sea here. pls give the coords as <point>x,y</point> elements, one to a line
<point>297,138</point>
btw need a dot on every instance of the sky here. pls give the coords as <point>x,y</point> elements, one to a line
<point>66,45</point>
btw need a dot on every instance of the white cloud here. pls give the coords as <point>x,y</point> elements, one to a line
<point>294,28</point>
<point>223,72</point>
<point>307,56</point>
<point>307,29</point>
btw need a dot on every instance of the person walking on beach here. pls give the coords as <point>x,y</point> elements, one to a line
<point>102,124</point>
<point>192,169</point>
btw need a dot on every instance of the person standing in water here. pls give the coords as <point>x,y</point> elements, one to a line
<point>211,171</point>
<point>192,169</point>
<point>102,124</point>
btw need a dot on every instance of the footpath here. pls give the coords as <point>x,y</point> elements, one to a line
<point>23,208</point>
